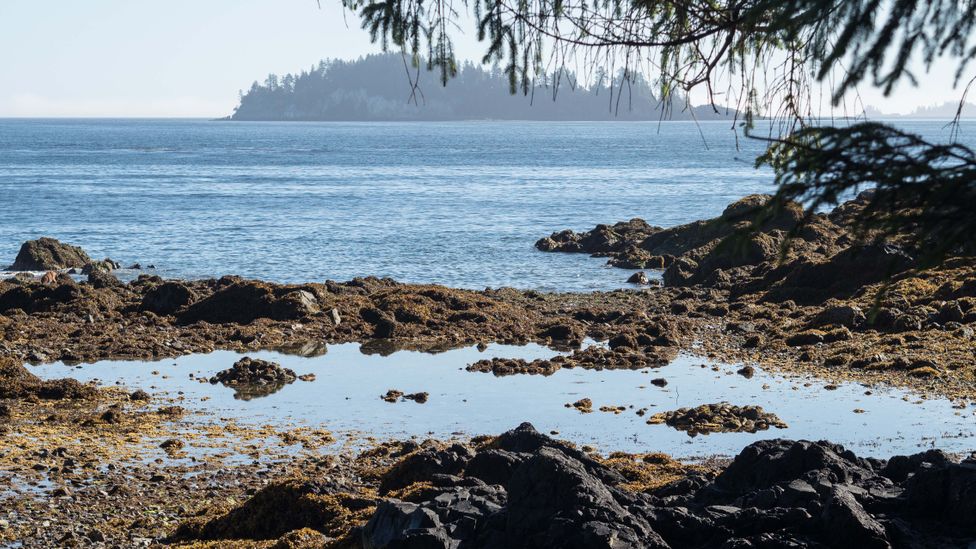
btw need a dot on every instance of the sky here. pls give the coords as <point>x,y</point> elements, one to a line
<point>189,58</point>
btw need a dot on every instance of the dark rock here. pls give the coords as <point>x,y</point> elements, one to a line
<point>106,265</point>
<point>238,302</point>
<point>426,463</point>
<point>168,298</point>
<point>553,501</point>
<point>768,462</point>
<point>243,301</point>
<point>252,378</point>
<point>945,491</point>
<point>841,275</point>
<point>850,316</point>
<point>639,278</point>
<point>900,468</point>
<point>524,489</point>
<point>451,518</point>
<point>384,325</point>
<point>45,254</point>
<point>494,466</point>
<point>294,305</point>
<point>103,279</point>
<point>848,524</point>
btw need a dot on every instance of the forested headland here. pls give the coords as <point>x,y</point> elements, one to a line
<point>383,88</point>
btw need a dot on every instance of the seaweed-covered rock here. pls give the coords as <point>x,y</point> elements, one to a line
<point>253,377</point>
<point>168,298</point>
<point>718,418</point>
<point>47,254</point>
<point>106,265</point>
<point>384,324</point>
<point>17,382</point>
<point>601,240</point>
<point>103,279</point>
<point>243,301</point>
<point>841,275</point>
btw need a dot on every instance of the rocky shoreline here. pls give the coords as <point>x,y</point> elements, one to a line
<point>828,304</point>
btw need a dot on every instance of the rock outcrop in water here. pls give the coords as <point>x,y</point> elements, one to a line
<point>718,418</point>
<point>526,490</point>
<point>821,260</point>
<point>253,377</point>
<point>48,254</point>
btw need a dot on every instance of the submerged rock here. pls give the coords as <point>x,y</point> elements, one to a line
<point>46,254</point>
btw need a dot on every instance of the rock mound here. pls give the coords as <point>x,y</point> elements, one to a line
<point>253,377</point>
<point>718,418</point>
<point>168,298</point>
<point>243,301</point>
<point>48,254</point>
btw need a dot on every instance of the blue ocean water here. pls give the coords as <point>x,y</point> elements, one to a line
<point>452,203</point>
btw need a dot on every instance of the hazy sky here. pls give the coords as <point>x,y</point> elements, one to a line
<point>190,57</point>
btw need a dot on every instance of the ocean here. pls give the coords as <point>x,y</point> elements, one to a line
<point>457,203</point>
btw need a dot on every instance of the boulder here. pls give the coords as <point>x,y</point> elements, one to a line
<point>103,279</point>
<point>293,305</point>
<point>47,254</point>
<point>168,298</point>
<point>106,265</point>
<point>553,501</point>
<point>384,324</point>
<point>769,462</point>
<point>454,517</point>
<point>239,301</point>
<point>639,278</point>
<point>850,316</point>
<point>846,523</point>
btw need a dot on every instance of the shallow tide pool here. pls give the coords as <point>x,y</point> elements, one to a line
<point>345,398</point>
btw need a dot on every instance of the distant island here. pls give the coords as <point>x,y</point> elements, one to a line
<point>377,88</point>
<point>944,111</point>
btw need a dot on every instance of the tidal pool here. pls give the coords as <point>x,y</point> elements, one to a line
<point>345,398</point>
